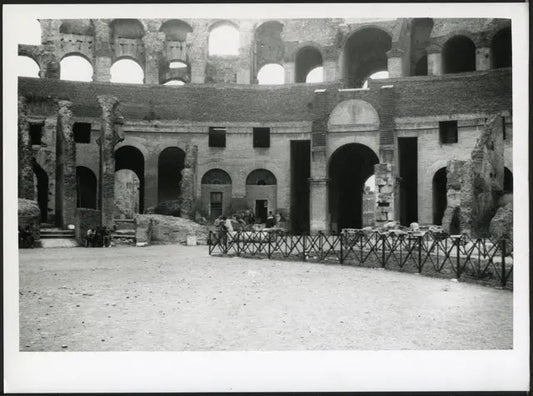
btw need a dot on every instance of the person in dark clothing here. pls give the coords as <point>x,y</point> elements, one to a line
<point>270,222</point>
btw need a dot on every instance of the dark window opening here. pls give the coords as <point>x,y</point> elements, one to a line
<point>82,132</point>
<point>502,55</point>
<point>36,133</point>
<point>408,159</point>
<point>448,132</point>
<point>217,137</point>
<point>459,55</point>
<point>261,137</point>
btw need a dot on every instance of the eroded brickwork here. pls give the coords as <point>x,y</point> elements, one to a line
<point>25,174</point>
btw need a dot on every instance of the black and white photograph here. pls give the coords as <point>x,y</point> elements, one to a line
<point>277,197</point>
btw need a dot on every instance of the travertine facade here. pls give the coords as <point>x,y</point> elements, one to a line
<point>446,77</point>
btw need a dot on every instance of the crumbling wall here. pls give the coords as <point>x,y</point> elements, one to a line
<point>25,173</point>
<point>29,215</point>
<point>385,193</point>
<point>126,194</point>
<point>452,219</point>
<point>221,69</point>
<point>188,181</point>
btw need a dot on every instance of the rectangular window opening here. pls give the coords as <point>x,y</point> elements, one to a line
<point>82,132</point>
<point>262,137</point>
<point>36,133</point>
<point>448,132</point>
<point>217,137</point>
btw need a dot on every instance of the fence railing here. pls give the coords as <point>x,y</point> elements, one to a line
<point>449,255</point>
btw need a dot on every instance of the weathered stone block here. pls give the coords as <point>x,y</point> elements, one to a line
<point>168,229</point>
<point>29,215</point>
<point>501,225</point>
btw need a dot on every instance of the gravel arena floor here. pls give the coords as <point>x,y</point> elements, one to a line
<point>178,298</point>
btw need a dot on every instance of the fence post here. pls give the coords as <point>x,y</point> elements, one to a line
<point>504,278</point>
<point>238,244</point>
<point>209,241</point>
<point>383,236</point>
<point>304,255</point>
<point>269,247</point>
<point>458,258</point>
<point>419,238</point>
<point>341,259</point>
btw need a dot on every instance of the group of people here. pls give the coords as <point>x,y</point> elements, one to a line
<point>26,239</point>
<point>98,237</point>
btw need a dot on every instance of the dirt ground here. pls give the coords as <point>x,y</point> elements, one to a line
<point>177,298</point>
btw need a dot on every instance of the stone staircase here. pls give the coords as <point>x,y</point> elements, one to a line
<point>125,232</point>
<point>53,237</point>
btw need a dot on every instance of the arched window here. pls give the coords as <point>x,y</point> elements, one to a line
<point>127,71</point>
<point>127,28</point>
<point>376,76</point>
<point>365,53</point>
<point>268,44</point>
<point>307,59</point>
<point>27,67</point>
<point>175,30</point>
<point>129,157</point>
<point>271,74</point>
<point>76,68</point>
<point>261,177</point>
<point>316,75</point>
<point>501,46</point>
<point>216,176</point>
<point>32,32</point>
<point>459,55</point>
<point>224,40</point>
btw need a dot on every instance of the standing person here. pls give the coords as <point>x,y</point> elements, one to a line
<point>270,220</point>
<point>90,237</point>
<point>220,224</point>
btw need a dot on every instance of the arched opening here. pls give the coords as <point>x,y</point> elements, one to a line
<point>32,32</point>
<point>376,76</point>
<point>27,67</point>
<point>507,181</point>
<point>127,194</point>
<point>174,82</point>
<point>261,193</point>
<point>316,75</point>
<point>224,40</point>
<point>459,55</point>
<point>129,157</point>
<point>271,74</point>
<point>42,190</point>
<point>127,71</point>
<point>268,43</point>
<point>176,65</point>
<point>420,34</point>
<point>440,200</point>
<point>85,188</point>
<point>81,27</point>
<point>307,59</point>
<point>501,47</point>
<point>76,68</point>
<point>350,167</point>
<point>169,167</point>
<point>365,53</point>
<point>127,29</point>
<point>216,193</point>
<point>175,30</point>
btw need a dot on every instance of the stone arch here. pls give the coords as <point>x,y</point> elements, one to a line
<point>458,55</point>
<point>175,69</point>
<point>169,166</point>
<point>216,176</point>
<point>501,48</point>
<point>127,29</point>
<point>224,38</point>
<point>261,177</point>
<point>127,70</point>
<point>86,188</point>
<point>81,27</point>
<point>307,59</point>
<point>41,189</point>
<point>130,157</point>
<point>27,66</point>
<point>349,167</point>
<point>75,66</point>
<point>271,74</point>
<point>365,52</point>
<point>439,189</point>
<point>353,112</point>
<point>269,47</point>
<point>216,192</point>
<point>176,30</point>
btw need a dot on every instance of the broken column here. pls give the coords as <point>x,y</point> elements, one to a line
<point>188,182</point>
<point>25,170</point>
<point>451,221</point>
<point>110,134</point>
<point>65,166</point>
<point>102,51</point>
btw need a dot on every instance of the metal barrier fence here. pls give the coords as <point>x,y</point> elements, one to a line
<point>452,255</point>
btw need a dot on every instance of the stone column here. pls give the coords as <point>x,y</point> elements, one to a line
<point>395,63</point>
<point>154,43</point>
<point>330,70</point>
<point>289,66</point>
<point>110,135</point>
<point>102,51</point>
<point>483,60</point>
<point>434,60</point>
<point>25,170</point>
<point>198,52</point>
<point>65,167</point>
<point>150,179</point>
<point>188,182</point>
<point>244,67</point>
<point>318,205</point>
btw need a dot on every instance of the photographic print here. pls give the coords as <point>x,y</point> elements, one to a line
<point>218,183</point>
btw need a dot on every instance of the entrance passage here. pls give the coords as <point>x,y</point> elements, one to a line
<point>409,180</point>
<point>169,169</point>
<point>42,190</point>
<point>215,205</point>
<point>86,188</point>
<point>300,172</point>
<point>261,208</point>
<point>129,157</point>
<point>350,166</point>
<point>439,195</point>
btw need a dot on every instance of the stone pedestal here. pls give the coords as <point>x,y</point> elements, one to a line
<point>65,167</point>
<point>25,171</point>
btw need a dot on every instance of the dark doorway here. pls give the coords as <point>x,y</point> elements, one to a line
<point>215,205</point>
<point>350,166</point>
<point>261,208</point>
<point>169,169</point>
<point>408,153</point>
<point>507,181</point>
<point>85,188</point>
<point>502,52</point>
<point>459,55</point>
<point>300,172</point>
<point>439,195</point>
<point>42,190</point>
<point>129,157</point>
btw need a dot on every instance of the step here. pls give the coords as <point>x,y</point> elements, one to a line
<point>58,243</point>
<point>54,233</point>
<point>124,232</point>
<point>125,224</point>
